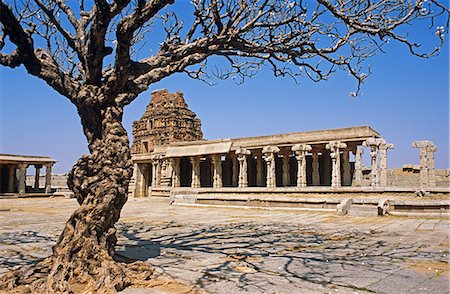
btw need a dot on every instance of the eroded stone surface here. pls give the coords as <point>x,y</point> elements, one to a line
<point>224,250</point>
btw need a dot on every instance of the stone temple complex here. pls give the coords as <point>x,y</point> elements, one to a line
<point>171,159</point>
<point>167,119</point>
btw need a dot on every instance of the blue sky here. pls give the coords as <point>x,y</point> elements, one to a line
<point>405,99</point>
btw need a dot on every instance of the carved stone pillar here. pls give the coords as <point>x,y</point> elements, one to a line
<point>176,181</point>
<point>156,171</point>
<point>427,171</point>
<point>259,171</point>
<point>285,167</point>
<point>269,153</point>
<point>358,167</point>
<point>300,154</point>
<point>48,178</point>
<point>11,178</point>
<point>22,177</point>
<point>242,158</point>
<point>346,173</point>
<point>383,162</point>
<point>217,171</point>
<point>335,154</point>
<point>235,171</point>
<point>36,177</point>
<point>315,167</point>
<point>195,162</point>
<point>374,144</point>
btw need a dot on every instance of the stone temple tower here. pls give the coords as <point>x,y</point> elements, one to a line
<point>167,119</point>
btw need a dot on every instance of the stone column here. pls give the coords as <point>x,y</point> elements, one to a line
<point>315,167</point>
<point>36,177</point>
<point>346,173</point>
<point>430,164</point>
<point>259,171</point>
<point>335,154</point>
<point>217,171</point>
<point>137,180</point>
<point>427,171</point>
<point>154,172</point>
<point>269,153</point>
<point>176,181</point>
<point>242,158</point>
<point>374,144</point>
<point>235,171</point>
<point>158,172</point>
<point>383,162</point>
<point>22,177</point>
<point>358,167</point>
<point>48,178</point>
<point>300,154</point>
<point>195,162</point>
<point>11,178</point>
<point>286,176</point>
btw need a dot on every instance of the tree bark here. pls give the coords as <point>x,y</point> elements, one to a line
<point>84,253</point>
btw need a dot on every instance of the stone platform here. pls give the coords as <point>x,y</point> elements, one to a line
<point>395,201</point>
<point>229,250</point>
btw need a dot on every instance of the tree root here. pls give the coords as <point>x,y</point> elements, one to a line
<point>50,276</point>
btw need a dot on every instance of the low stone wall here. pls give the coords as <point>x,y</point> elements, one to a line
<point>59,181</point>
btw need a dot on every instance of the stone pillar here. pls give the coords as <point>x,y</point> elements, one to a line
<point>358,167</point>
<point>137,180</point>
<point>158,172</point>
<point>242,158</point>
<point>286,176</point>
<point>335,154</point>
<point>374,144</point>
<point>176,181</point>
<point>383,162</point>
<point>300,154</point>
<point>217,171</point>
<point>48,178</point>
<point>315,167</point>
<point>195,162</point>
<point>36,177</point>
<point>22,177</point>
<point>346,173</point>
<point>259,171</point>
<point>235,171</point>
<point>154,171</point>
<point>427,171</point>
<point>11,178</point>
<point>269,153</point>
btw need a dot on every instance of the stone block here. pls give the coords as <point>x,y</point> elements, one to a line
<point>344,207</point>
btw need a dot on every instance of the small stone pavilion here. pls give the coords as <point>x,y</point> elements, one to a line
<point>166,160</point>
<point>13,172</point>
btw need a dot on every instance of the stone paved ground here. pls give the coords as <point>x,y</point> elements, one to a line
<point>224,250</point>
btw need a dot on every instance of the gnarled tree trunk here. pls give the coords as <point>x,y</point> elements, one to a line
<point>84,252</point>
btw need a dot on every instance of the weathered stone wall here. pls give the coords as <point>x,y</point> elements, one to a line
<point>58,181</point>
<point>409,176</point>
<point>167,119</point>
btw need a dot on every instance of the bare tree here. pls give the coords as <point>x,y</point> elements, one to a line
<point>89,52</point>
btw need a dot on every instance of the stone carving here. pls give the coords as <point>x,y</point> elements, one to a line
<point>427,171</point>
<point>373,144</point>
<point>175,162</point>
<point>286,152</point>
<point>335,154</point>
<point>344,207</point>
<point>383,207</point>
<point>358,175</point>
<point>217,171</point>
<point>300,154</point>
<point>167,119</point>
<point>242,159</point>
<point>269,153</point>
<point>383,162</point>
<point>195,162</point>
